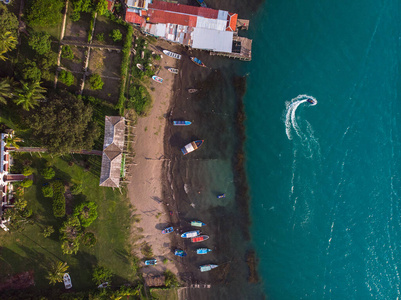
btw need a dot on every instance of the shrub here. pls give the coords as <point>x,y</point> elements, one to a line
<point>69,247</point>
<point>44,12</point>
<point>40,42</point>
<point>26,183</point>
<point>101,274</point>
<point>70,234</point>
<point>89,239</point>
<point>27,171</point>
<point>58,199</point>
<point>147,250</point>
<point>66,52</point>
<point>29,71</point>
<point>75,16</point>
<point>139,99</point>
<point>116,35</point>
<point>48,173</point>
<point>48,231</point>
<point>171,279</point>
<point>100,37</point>
<point>66,77</point>
<point>96,82</point>
<point>76,189</point>
<point>47,191</point>
<point>86,212</point>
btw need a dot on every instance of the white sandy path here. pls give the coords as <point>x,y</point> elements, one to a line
<point>145,187</point>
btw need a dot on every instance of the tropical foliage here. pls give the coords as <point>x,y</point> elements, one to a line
<point>48,231</point>
<point>58,199</point>
<point>66,77</point>
<point>101,274</point>
<point>64,124</point>
<point>96,82</point>
<point>116,35</point>
<point>47,191</point>
<point>44,12</point>
<point>29,94</point>
<point>66,52</point>
<point>5,90</point>
<point>86,212</point>
<point>70,234</point>
<point>40,42</point>
<point>8,42</point>
<point>56,272</point>
<point>48,173</point>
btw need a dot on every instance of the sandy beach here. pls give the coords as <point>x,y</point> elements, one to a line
<point>145,176</point>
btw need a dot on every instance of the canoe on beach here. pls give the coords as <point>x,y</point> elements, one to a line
<point>197,61</point>
<point>173,70</point>
<point>157,79</point>
<point>197,223</point>
<point>206,268</point>
<point>199,239</point>
<point>192,146</point>
<point>191,91</point>
<point>203,250</point>
<point>181,123</point>
<point>190,234</point>
<point>179,252</point>
<point>151,262</point>
<point>172,54</point>
<point>167,230</point>
<point>140,67</point>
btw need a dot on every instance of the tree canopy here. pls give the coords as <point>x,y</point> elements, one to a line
<point>64,123</point>
<point>40,42</point>
<point>44,12</point>
<point>8,21</point>
<point>96,82</point>
<point>29,94</point>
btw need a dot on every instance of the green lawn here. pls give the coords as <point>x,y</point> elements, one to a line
<point>30,250</point>
<point>164,294</point>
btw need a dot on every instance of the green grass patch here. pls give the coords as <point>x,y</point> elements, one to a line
<point>164,294</point>
<point>30,250</point>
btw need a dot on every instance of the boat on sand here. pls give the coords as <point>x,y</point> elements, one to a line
<point>151,262</point>
<point>179,252</point>
<point>190,234</point>
<point>206,268</point>
<point>157,79</point>
<point>197,223</point>
<point>172,54</point>
<point>173,70</point>
<point>192,146</point>
<point>191,91</point>
<point>181,123</point>
<point>199,239</point>
<point>203,250</point>
<point>140,67</point>
<point>167,230</point>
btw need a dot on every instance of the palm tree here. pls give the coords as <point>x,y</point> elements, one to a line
<point>55,274</point>
<point>7,43</point>
<point>5,90</point>
<point>11,141</point>
<point>29,94</point>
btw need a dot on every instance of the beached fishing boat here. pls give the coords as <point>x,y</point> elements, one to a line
<point>190,234</point>
<point>203,250</point>
<point>221,196</point>
<point>173,70</point>
<point>197,223</point>
<point>172,54</point>
<point>157,79</point>
<point>206,268</point>
<point>140,67</point>
<point>311,101</point>
<point>191,91</point>
<point>167,230</point>
<point>202,3</point>
<point>181,123</point>
<point>199,239</point>
<point>180,252</point>
<point>151,262</point>
<point>67,281</point>
<point>198,61</point>
<point>192,146</point>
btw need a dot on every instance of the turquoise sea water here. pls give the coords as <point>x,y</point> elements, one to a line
<point>326,179</point>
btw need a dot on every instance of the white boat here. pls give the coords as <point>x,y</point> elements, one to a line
<point>172,54</point>
<point>190,234</point>
<point>206,268</point>
<point>140,67</point>
<point>173,70</point>
<point>67,281</point>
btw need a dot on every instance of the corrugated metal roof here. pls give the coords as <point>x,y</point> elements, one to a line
<point>222,15</point>
<point>207,39</point>
<point>159,16</point>
<point>132,17</point>
<point>211,24</point>
<point>185,9</point>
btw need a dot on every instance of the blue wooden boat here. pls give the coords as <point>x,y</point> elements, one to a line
<point>167,230</point>
<point>181,123</point>
<point>198,61</point>
<point>202,3</point>
<point>197,223</point>
<point>192,146</point>
<point>180,252</point>
<point>190,234</point>
<point>221,196</point>
<point>151,262</point>
<point>203,250</point>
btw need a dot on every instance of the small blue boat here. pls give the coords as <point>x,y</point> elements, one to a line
<point>198,61</point>
<point>197,223</point>
<point>167,230</point>
<point>203,250</point>
<point>190,234</point>
<point>181,123</point>
<point>221,196</point>
<point>180,252</point>
<point>151,262</point>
